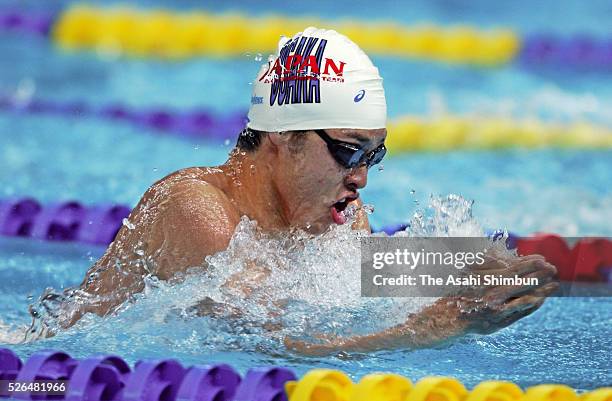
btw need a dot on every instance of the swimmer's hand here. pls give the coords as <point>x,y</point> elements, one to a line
<point>480,310</point>
<point>487,309</point>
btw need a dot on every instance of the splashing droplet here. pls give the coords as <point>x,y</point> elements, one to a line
<point>127,223</point>
<point>226,142</point>
<point>412,191</point>
<point>258,57</point>
<point>369,209</point>
<point>381,167</point>
<point>154,169</point>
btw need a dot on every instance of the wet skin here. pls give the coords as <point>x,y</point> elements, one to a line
<point>288,182</point>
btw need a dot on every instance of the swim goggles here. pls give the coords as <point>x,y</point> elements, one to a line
<point>349,155</point>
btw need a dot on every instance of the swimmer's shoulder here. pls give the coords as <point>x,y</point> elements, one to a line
<point>209,181</point>
<point>203,190</point>
<point>192,202</point>
<point>181,219</point>
<point>195,219</point>
<point>213,176</point>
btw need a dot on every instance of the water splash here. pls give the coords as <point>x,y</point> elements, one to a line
<point>9,334</point>
<point>261,289</point>
<point>449,216</point>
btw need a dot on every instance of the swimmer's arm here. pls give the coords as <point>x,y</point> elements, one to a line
<point>194,221</point>
<point>484,311</point>
<point>431,326</point>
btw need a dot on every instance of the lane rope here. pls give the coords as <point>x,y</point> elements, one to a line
<point>109,377</point>
<point>405,133</point>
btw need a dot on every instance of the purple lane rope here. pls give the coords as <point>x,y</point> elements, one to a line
<point>110,378</point>
<point>572,52</point>
<point>38,24</point>
<point>194,124</point>
<point>61,221</point>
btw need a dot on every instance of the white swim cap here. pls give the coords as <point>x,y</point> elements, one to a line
<point>319,79</point>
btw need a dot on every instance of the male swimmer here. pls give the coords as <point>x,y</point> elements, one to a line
<point>316,126</point>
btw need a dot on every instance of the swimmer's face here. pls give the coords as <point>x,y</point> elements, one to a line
<point>316,187</point>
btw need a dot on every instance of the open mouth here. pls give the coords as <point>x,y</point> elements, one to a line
<point>338,208</point>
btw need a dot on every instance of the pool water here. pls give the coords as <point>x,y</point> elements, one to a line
<point>569,340</point>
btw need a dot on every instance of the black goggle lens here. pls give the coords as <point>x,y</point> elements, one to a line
<point>376,156</point>
<point>346,156</point>
<point>349,155</point>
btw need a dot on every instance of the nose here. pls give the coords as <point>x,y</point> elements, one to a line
<point>357,177</point>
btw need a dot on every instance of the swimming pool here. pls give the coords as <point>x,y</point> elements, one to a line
<point>59,158</point>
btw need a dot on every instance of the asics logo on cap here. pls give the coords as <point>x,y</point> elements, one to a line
<point>359,96</point>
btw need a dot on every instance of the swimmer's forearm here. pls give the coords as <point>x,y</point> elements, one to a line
<point>434,325</point>
<point>431,326</point>
<point>68,308</point>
